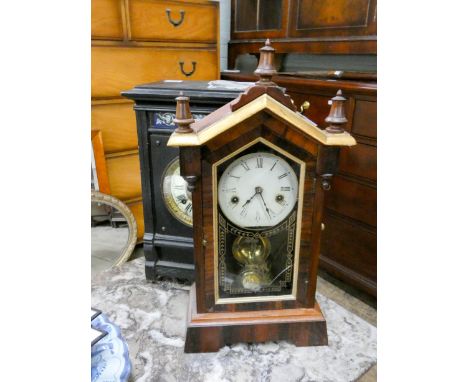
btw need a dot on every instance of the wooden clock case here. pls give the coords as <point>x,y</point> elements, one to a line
<point>263,112</point>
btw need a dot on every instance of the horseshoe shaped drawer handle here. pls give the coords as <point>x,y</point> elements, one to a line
<point>175,23</point>
<point>188,74</point>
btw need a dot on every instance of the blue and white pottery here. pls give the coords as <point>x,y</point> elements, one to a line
<point>110,361</point>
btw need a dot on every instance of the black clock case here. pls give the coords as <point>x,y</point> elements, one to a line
<point>167,243</point>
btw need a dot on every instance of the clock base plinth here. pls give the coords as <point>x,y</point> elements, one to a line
<point>209,332</point>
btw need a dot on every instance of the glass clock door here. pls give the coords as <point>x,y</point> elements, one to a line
<point>257,211</point>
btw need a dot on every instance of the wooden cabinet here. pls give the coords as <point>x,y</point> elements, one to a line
<point>134,42</point>
<point>349,242</point>
<point>329,40</point>
<point>308,26</point>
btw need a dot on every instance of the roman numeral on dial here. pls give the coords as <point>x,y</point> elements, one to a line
<point>283,175</point>
<point>259,162</point>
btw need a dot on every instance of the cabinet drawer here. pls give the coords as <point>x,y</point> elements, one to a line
<point>114,69</point>
<point>124,176</point>
<point>365,119</point>
<point>351,246</point>
<point>116,121</point>
<point>156,20</point>
<point>106,19</point>
<point>354,200</point>
<point>360,160</point>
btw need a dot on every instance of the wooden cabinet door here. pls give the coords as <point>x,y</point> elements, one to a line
<point>259,18</point>
<point>348,19</point>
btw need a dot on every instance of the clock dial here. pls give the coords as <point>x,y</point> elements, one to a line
<point>176,196</point>
<point>258,190</point>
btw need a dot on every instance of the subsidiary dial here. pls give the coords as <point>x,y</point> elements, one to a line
<point>177,198</point>
<point>258,190</point>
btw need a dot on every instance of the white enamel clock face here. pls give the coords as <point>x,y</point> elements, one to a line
<point>257,190</point>
<point>177,198</point>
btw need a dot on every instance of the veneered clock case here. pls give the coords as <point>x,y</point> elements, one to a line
<point>257,171</point>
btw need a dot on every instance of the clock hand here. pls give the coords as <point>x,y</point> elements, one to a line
<point>248,201</point>
<point>257,191</point>
<point>266,208</point>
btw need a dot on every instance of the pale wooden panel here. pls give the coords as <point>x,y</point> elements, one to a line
<point>149,21</point>
<point>137,210</point>
<point>106,20</point>
<point>115,69</point>
<point>124,176</point>
<point>117,124</point>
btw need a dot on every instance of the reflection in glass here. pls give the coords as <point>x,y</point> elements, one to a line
<point>256,263</point>
<point>109,236</point>
<point>257,222</point>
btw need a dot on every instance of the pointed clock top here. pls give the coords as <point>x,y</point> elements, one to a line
<point>183,118</point>
<point>337,117</point>
<point>265,70</point>
<point>339,96</point>
<point>266,65</point>
<point>267,47</point>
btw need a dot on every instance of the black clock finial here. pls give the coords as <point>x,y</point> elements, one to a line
<point>183,117</point>
<point>266,65</point>
<point>336,119</point>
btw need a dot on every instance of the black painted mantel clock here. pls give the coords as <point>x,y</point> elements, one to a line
<point>167,241</point>
<point>256,172</point>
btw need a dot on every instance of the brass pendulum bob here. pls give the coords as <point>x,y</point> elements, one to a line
<point>252,253</point>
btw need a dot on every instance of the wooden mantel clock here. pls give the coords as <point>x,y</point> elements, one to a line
<point>257,171</point>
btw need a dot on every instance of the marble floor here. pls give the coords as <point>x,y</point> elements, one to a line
<point>351,356</point>
<point>352,300</point>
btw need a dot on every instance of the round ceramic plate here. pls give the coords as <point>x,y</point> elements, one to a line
<point>109,356</point>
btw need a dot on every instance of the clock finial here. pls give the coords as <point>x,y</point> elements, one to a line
<point>183,117</point>
<point>266,65</point>
<point>336,119</point>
